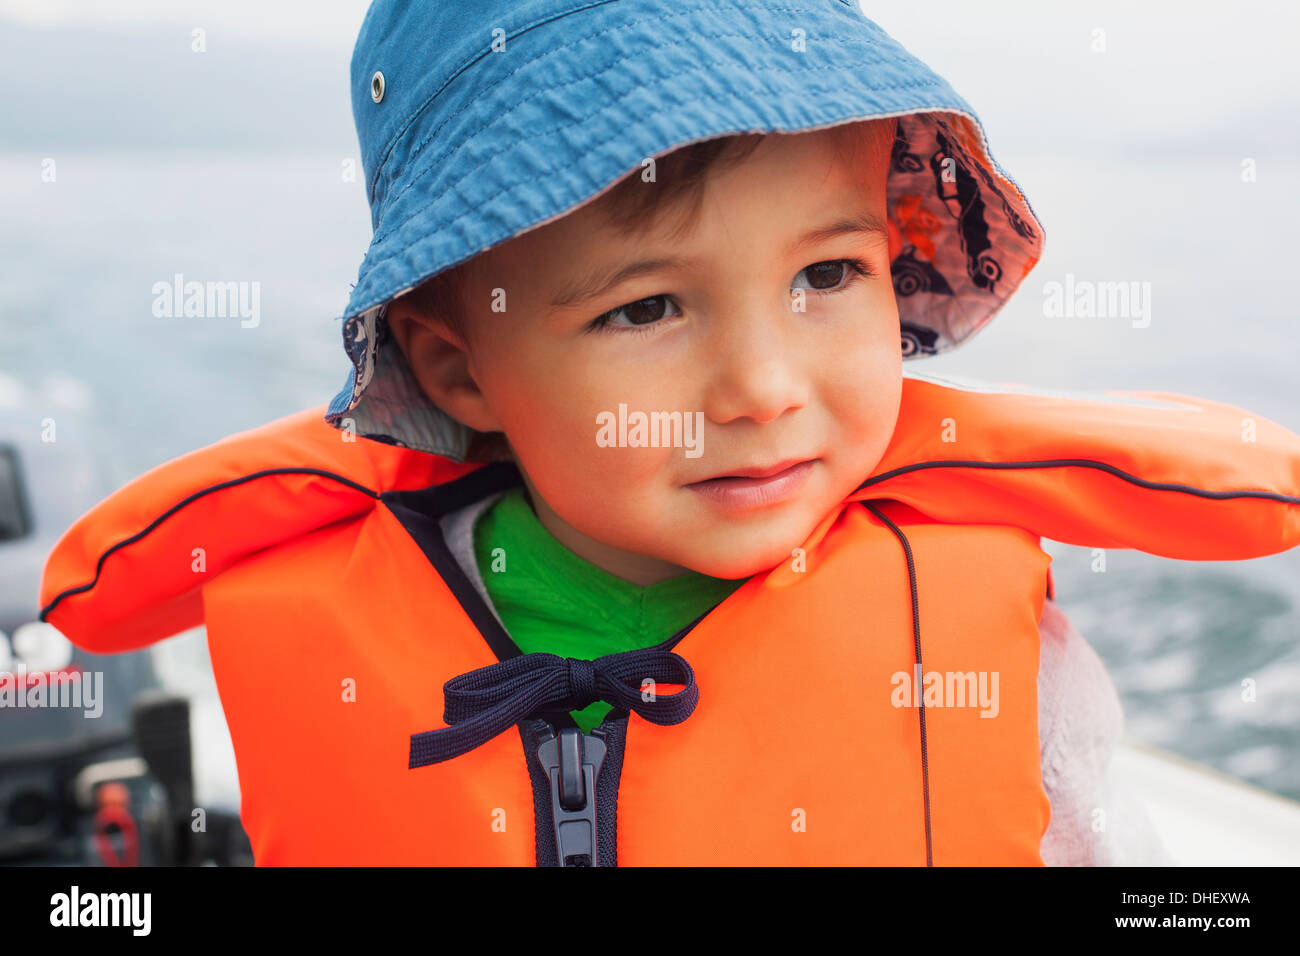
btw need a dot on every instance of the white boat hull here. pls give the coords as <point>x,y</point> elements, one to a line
<point>1206,818</point>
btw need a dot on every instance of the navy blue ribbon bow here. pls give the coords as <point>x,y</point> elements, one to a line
<point>485,702</point>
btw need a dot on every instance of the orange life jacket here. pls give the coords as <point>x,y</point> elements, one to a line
<point>335,615</point>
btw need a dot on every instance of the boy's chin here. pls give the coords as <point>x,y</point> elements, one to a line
<point>741,558</point>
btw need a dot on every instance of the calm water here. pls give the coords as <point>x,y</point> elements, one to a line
<point>80,258</point>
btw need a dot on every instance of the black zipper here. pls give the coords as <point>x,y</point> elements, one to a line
<point>575,778</point>
<point>559,755</point>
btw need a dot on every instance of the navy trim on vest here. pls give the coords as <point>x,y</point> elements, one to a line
<point>916,639</point>
<point>419,512</point>
<point>1083,463</point>
<point>188,500</point>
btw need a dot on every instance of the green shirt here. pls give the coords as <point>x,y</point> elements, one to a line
<point>550,600</point>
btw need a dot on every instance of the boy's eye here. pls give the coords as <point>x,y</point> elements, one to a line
<point>641,312</point>
<point>828,276</point>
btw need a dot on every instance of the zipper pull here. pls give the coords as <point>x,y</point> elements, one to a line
<point>572,762</point>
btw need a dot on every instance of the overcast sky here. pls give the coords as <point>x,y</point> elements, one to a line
<point>331,24</point>
<point>1175,76</point>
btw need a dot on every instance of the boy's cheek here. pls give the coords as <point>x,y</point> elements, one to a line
<point>584,467</point>
<point>868,379</point>
<point>870,417</point>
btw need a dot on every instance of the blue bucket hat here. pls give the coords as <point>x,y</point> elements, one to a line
<point>480,121</point>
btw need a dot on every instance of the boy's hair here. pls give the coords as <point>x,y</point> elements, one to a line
<point>629,206</point>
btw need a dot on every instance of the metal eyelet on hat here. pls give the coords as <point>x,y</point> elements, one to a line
<point>377,86</point>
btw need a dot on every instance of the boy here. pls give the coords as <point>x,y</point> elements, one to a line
<point>635,428</point>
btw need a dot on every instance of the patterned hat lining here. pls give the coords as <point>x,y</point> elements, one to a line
<point>969,238</point>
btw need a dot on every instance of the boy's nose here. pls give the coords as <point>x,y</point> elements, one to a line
<point>752,373</point>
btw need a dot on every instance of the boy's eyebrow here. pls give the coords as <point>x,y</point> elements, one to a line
<point>597,285</point>
<point>867,222</point>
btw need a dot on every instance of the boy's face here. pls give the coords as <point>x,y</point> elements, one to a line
<point>782,362</point>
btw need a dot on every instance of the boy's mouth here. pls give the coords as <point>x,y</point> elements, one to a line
<point>756,487</point>
<point>757,471</point>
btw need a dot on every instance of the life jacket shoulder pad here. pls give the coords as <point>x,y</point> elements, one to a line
<point>130,570</point>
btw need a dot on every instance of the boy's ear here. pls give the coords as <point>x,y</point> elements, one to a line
<point>895,239</point>
<point>440,360</point>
